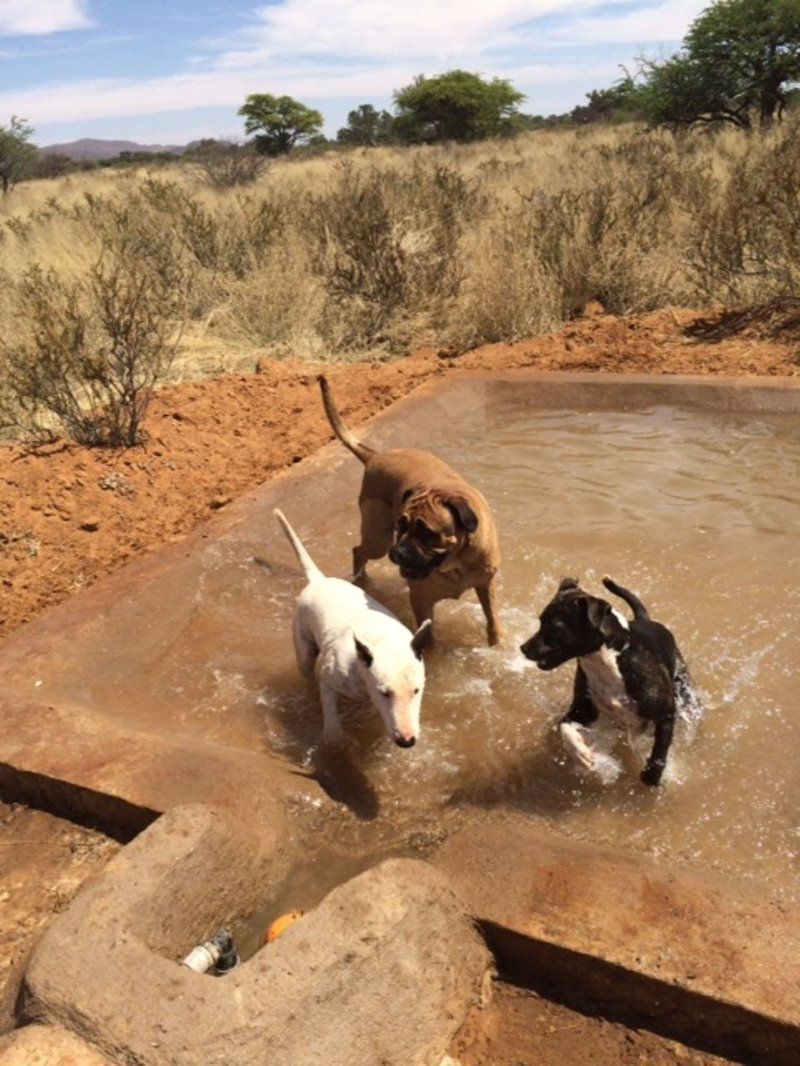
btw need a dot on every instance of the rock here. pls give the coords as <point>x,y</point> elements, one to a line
<point>90,525</point>
<point>219,501</point>
<point>48,1045</point>
<point>382,971</point>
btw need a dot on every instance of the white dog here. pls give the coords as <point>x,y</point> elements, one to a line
<point>356,648</point>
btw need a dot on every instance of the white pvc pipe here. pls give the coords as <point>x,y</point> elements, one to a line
<point>202,958</point>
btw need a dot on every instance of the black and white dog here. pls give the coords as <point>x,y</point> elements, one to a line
<point>632,672</point>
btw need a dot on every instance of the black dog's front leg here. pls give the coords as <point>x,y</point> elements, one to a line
<point>581,710</point>
<point>656,764</point>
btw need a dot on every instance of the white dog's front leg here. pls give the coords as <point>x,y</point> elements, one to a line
<point>572,739</point>
<point>331,726</point>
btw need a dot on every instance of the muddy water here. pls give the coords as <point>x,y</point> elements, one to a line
<point>697,512</point>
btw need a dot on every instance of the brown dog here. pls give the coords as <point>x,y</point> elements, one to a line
<point>432,524</point>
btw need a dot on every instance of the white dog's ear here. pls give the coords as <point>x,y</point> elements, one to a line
<point>364,654</point>
<point>422,638</point>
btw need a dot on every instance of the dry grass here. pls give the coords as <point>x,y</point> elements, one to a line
<point>384,249</point>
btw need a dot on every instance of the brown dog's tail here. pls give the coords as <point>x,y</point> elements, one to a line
<point>361,451</point>
<point>635,604</point>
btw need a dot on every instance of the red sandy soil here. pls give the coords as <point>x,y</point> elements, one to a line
<point>69,514</point>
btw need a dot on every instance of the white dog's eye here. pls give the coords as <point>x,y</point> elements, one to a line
<point>387,692</point>
<point>416,692</point>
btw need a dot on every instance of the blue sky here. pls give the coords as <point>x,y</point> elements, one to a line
<point>170,71</point>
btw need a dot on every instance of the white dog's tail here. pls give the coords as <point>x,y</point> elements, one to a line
<point>310,568</point>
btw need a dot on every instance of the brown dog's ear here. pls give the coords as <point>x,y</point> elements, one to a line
<point>567,584</point>
<point>462,512</point>
<point>364,654</point>
<point>422,638</point>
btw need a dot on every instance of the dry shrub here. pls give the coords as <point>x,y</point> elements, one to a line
<point>387,246</point>
<point>90,352</point>
<point>224,165</point>
<point>387,249</point>
<point>506,294</point>
<point>743,246</point>
<point>602,237</point>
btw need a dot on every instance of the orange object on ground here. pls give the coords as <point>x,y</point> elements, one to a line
<point>280,925</point>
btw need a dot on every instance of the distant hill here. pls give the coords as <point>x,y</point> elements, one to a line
<point>92,149</point>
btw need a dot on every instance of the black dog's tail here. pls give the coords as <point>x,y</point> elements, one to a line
<point>635,604</point>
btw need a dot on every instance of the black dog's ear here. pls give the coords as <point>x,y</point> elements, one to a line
<point>567,584</point>
<point>603,619</point>
<point>463,513</point>
<point>364,654</point>
<point>422,638</point>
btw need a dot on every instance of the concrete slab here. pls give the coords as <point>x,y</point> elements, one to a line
<point>383,971</point>
<point>684,953</point>
<point>192,641</point>
<point>68,760</point>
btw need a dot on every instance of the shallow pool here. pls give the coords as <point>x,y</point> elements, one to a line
<point>687,493</point>
<point>695,511</point>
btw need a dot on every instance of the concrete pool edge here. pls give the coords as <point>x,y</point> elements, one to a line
<point>689,954</point>
<point>107,967</point>
<point>716,966</point>
<point>777,394</point>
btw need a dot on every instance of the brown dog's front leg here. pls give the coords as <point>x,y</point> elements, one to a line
<point>360,559</point>
<point>494,631</point>
<point>421,604</point>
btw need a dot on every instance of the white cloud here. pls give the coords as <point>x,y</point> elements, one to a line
<point>104,98</point>
<point>654,24</point>
<point>23,17</point>
<point>379,29</point>
<point>329,49</point>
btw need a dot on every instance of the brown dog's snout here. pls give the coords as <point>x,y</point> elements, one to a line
<point>400,553</point>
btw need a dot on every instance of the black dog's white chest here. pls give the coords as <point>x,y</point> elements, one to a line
<point>607,687</point>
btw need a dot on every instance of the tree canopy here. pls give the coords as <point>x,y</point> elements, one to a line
<point>279,122</point>
<point>737,64</point>
<point>618,103</point>
<point>456,106</point>
<point>17,155</point>
<point>366,127</point>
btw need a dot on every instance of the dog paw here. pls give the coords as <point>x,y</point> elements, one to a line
<point>575,744</point>
<point>651,775</point>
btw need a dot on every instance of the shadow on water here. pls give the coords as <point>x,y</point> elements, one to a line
<point>294,733</point>
<point>339,773</point>
<point>544,782</point>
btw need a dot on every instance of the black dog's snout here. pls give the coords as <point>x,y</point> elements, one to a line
<point>405,742</point>
<point>528,649</point>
